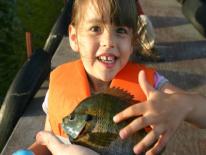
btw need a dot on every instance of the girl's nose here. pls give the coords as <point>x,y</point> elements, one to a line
<point>107,39</point>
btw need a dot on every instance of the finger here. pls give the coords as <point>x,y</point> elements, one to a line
<point>48,139</point>
<point>150,139</point>
<point>137,124</point>
<point>160,145</point>
<point>42,138</point>
<point>133,110</point>
<point>146,87</point>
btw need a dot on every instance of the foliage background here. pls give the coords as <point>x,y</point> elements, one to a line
<point>16,18</point>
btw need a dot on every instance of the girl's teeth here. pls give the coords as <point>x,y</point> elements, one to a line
<point>103,58</point>
<point>110,58</point>
<point>107,59</point>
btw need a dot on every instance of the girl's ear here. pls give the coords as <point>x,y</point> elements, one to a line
<point>73,38</point>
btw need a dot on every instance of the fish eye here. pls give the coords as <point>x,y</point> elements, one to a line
<point>71,117</point>
<point>88,117</point>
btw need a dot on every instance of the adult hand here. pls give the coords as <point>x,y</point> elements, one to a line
<point>162,112</point>
<point>57,148</point>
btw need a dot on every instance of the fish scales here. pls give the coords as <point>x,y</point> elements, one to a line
<point>91,124</point>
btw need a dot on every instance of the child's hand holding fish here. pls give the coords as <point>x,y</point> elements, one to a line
<point>57,148</point>
<point>163,112</point>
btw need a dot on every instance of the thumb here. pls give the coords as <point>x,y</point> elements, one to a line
<point>50,141</point>
<point>146,87</point>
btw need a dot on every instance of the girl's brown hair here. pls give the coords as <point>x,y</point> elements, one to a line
<point>122,12</point>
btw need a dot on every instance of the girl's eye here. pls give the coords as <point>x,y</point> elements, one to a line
<point>122,30</point>
<point>95,29</point>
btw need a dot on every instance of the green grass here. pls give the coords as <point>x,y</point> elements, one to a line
<point>20,16</point>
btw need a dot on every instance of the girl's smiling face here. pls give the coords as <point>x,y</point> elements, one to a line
<point>104,47</point>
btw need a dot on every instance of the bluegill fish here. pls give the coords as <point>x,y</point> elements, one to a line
<point>91,123</point>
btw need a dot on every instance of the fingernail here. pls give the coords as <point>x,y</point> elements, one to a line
<point>115,119</point>
<point>137,151</point>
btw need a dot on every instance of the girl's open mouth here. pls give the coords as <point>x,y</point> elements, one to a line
<point>107,59</point>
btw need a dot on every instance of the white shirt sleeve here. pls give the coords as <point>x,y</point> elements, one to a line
<point>45,103</point>
<point>45,109</point>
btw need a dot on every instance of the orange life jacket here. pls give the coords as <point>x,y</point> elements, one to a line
<point>69,86</point>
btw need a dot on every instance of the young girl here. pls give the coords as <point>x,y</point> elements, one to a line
<point>104,33</point>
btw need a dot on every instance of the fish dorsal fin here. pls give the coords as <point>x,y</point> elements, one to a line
<point>121,94</point>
